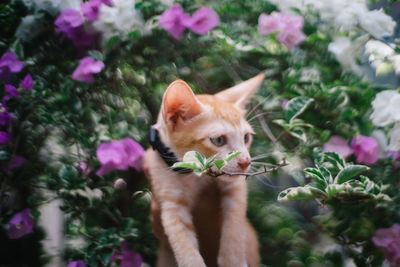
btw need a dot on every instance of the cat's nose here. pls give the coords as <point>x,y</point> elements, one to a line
<point>244,163</point>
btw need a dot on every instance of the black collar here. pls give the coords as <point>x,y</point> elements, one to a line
<point>165,152</point>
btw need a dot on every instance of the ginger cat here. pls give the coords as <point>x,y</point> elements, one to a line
<point>201,221</point>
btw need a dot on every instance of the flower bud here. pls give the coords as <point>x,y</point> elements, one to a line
<point>120,184</point>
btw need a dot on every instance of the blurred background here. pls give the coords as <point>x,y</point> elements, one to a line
<point>84,79</point>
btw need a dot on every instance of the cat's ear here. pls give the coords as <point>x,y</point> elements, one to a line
<point>241,94</point>
<point>179,103</point>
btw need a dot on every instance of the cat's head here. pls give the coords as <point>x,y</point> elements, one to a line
<point>209,124</point>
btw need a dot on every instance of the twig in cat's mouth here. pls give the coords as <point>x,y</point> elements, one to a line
<point>248,174</point>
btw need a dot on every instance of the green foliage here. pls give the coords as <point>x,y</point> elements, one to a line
<point>343,184</point>
<point>199,164</point>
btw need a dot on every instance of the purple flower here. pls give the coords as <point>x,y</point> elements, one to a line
<point>16,162</point>
<point>389,240</point>
<point>21,224</point>
<point>9,63</point>
<point>70,24</point>
<point>134,152</point>
<point>91,9</point>
<point>203,20</point>
<point>5,137</point>
<point>107,2</point>
<point>119,155</point>
<point>5,116</point>
<point>12,92</point>
<point>173,20</point>
<point>27,83</point>
<point>68,20</point>
<point>289,28</point>
<point>339,145</point>
<point>76,264</point>
<point>366,149</point>
<point>83,166</point>
<point>87,66</point>
<point>127,257</point>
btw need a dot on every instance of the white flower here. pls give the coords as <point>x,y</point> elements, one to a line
<point>377,23</point>
<point>345,53</point>
<point>386,108</point>
<point>29,27</point>
<point>381,138</point>
<point>396,62</point>
<point>378,54</point>
<point>394,144</point>
<point>53,6</point>
<point>119,19</point>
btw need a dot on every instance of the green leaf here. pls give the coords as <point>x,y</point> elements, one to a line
<point>334,189</point>
<point>299,133</point>
<point>232,155</point>
<point>186,165</point>
<point>335,159</point>
<point>296,106</point>
<point>316,175</point>
<point>299,193</point>
<point>349,172</point>
<point>105,255</point>
<point>209,162</point>
<point>326,173</point>
<point>200,158</point>
<point>220,163</point>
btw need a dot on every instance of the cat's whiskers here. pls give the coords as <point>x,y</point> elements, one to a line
<point>261,114</point>
<point>257,105</point>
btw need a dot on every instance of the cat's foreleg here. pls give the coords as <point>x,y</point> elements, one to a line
<point>232,250</point>
<point>178,225</point>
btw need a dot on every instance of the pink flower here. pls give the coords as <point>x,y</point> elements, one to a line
<point>291,38</point>
<point>268,24</point>
<point>119,155</point>
<point>85,169</point>
<point>9,63</point>
<point>27,83</point>
<point>87,66</point>
<point>91,9</point>
<point>203,20</point>
<point>21,224</point>
<point>173,21</point>
<point>127,257</point>
<point>76,264</point>
<point>289,28</point>
<point>339,145</point>
<point>389,240</point>
<point>366,149</point>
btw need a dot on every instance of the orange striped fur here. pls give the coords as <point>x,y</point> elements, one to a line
<point>201,221</point>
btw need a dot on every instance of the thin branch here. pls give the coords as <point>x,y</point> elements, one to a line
<point>88,236</point>
<point>248,174</point>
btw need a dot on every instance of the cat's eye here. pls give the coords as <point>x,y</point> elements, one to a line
<point>218,141</point>
<point>246,138</point>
